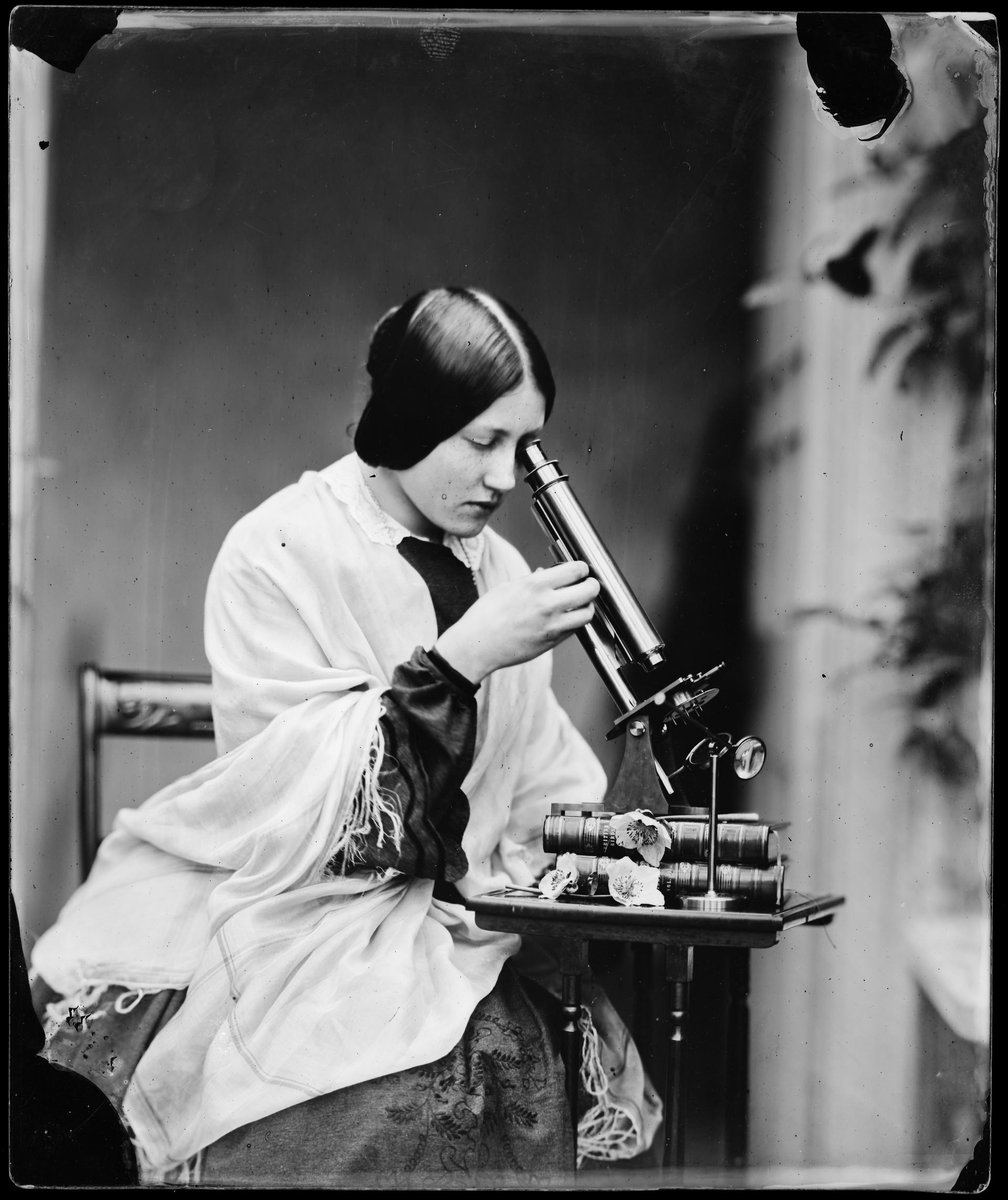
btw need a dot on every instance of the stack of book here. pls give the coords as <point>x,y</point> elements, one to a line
<point>749,860</point>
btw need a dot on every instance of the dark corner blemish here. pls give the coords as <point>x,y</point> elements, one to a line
<point>61,36</point>
<point>986,29</point>
<point>851,64</point>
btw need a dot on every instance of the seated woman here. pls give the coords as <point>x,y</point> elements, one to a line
<point>270,969</point>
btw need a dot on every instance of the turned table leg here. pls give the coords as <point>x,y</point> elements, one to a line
<point>573,964</point>
<point>737,1103</point>
<point>678,974</point>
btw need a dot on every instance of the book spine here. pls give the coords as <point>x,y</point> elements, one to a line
<point>755,845</point>
<point>763,887</point>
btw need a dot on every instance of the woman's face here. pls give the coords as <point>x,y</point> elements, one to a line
<point>460,484</point>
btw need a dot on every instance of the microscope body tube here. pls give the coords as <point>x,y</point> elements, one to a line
<point>598,645</point>
<point>568,525</point>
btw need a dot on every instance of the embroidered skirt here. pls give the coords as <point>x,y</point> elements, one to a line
<point>490,1113</point>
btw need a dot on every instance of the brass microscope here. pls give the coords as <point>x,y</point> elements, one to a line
<point>653,699</point>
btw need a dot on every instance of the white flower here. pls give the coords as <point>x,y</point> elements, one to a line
<point>641,832</point>
<point>635,884</point>
<point>563,878</point>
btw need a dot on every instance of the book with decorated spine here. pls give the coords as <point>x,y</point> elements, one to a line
<point>759,887</point>
<point>748,843</point>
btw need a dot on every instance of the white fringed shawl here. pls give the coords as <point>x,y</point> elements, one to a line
<point>298,983</point>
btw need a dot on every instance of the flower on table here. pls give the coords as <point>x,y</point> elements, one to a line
<point>563,878</point>
<point>641,832</point>
<point>635,884</point>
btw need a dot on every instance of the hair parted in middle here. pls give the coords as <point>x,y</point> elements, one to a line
<point>436,362</point>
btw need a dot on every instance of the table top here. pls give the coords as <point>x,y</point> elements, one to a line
<point>514,910</point>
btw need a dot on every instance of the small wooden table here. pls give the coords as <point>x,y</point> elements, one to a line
<point>577,922</point>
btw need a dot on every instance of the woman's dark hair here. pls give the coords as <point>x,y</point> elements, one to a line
<point>437,361</point>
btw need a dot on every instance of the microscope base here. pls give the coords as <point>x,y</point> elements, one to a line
<point>709,902</point>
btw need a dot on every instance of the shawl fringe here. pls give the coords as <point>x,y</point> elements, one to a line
<point>184,1173</point>
<point>374,810</point>
<point>607,1131</point>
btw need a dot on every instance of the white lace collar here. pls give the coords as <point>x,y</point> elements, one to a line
<point>348,479</point>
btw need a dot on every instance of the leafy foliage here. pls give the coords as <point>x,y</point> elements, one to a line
<point>924,253</point>
<point>938,639</point>
<point>931,258</point>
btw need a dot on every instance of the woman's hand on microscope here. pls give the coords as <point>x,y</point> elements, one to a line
<point>519,620</point>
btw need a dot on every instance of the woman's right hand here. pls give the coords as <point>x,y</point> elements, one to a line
<point>519,620</point>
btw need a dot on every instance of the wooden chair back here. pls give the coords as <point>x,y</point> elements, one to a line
<point>130,704</point>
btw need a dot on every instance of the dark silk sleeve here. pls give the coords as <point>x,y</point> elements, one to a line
<point>429,727</point>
